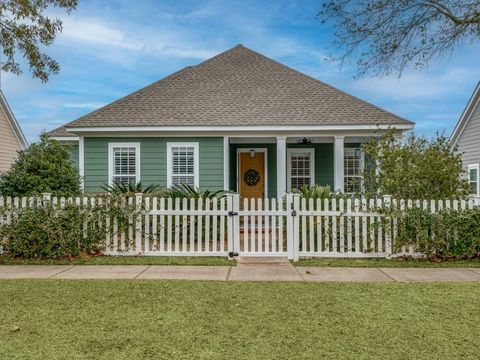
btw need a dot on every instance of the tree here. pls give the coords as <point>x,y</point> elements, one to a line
<point>417,168</point>
<point>389,35</point>
<point>25,28</point>
<point>45,166</point>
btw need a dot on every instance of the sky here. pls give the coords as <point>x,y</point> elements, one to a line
<point>111,48</point>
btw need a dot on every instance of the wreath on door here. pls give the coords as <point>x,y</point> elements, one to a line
<point>251,177</point>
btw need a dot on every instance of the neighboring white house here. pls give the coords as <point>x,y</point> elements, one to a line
<point>466,137</point>
<point>11,135</point>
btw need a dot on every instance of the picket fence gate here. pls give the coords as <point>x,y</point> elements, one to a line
<point>292,227</point>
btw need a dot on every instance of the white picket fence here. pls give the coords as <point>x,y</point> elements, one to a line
<point>293,227</point>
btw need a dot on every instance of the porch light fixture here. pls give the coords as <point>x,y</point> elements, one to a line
<point>305,141</point>
<point>252,153</point>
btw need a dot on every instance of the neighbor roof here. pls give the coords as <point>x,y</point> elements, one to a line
<point>237,87</point>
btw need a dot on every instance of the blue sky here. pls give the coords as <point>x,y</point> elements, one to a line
<point>111,48</point>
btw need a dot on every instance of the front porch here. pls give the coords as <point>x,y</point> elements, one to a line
<point>278,164</point>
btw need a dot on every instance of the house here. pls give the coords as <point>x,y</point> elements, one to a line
<point>466,139</point>
<point>238,121</point>
<point>11,136</point>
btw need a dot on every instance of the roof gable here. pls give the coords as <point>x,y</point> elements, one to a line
<point>238,87</point>
<point>17,130</point>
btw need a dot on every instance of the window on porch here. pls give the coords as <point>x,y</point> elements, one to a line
<point>300,168</point>
<point>353,167</point>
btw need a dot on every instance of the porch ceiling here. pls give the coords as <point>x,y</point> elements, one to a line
<point>296,139</point>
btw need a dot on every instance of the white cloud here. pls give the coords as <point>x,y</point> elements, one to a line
<point>416,85</point>
<point>84,105</point>
<point>95,32</point>
<point>164,41</point>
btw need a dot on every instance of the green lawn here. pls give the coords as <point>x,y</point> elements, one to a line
<point>181,319</point>
<point>122,260</point>
<point>387,263</point>
<point>223,261</point>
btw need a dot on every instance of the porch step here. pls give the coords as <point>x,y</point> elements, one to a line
<point>262,260</point>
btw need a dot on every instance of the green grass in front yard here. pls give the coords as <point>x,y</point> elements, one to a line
<point>121,260</point>
<point>180,319</point>
<point>396,262</point>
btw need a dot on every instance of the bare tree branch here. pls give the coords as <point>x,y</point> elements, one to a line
<point>386,36</point>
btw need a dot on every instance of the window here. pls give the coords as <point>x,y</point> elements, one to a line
<point>473,178</point>
<point>123,163</point>
<point>300,168</point>
<point>353,166</point>
<point>182,164</point>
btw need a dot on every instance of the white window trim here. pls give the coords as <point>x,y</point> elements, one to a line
<point>474,167</point>
<point>362,167</point>
<point>311,152</point>
<point>196,159</point>
<point>110,159</point>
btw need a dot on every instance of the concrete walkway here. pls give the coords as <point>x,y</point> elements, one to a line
<point>243,272</point>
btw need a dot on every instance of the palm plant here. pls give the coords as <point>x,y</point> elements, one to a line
<point>317,192</point>
<point>130,188</point>
<point>192,192</point>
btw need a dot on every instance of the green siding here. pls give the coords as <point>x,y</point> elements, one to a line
<point>153,160</point>
<point>323,164</point>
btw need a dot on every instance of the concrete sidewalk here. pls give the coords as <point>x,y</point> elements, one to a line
<point>242,272</point>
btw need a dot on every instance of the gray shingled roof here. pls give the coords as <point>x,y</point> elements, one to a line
<point>237,87</point>
<point>61,132</point>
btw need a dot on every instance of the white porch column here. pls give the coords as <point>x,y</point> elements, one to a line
<point>281,166</point>
<point>226,163</point>
<point>338,163</point>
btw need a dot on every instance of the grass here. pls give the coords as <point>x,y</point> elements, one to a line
<point>215,320</point>
<point>390,263</point>
<point>121,260</point>
<point>223,261</point>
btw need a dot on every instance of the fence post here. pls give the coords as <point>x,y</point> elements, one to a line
<point>288,211</point>
<point>229,224</point>
<point>236,224</point>
<point>387,201</point>
<point>2,217</point>
<point>233,225</point>
<point>476,200</point>
<point>46,198</point>
<point>138,223</point>
<point>296,226</point>
<point>292,206</point>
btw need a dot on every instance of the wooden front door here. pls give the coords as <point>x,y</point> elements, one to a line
<point>252,165</point>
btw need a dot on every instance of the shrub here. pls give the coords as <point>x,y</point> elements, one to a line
<point>318,192</point>
<point>49,230</point>
<point>191,192</point>
<point>417,168</point>
<point>44,232</point>
<point>43,167</point>
<point>444,234</point>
